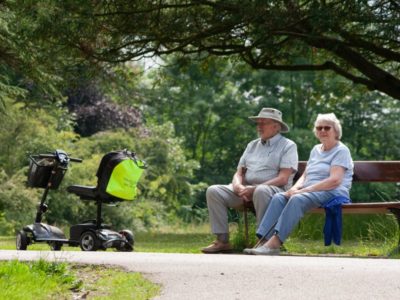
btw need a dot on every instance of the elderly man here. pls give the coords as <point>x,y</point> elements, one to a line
<point>266,167</point>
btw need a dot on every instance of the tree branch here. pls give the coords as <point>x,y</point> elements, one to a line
<point>383,52</point>
<point>328,65</point>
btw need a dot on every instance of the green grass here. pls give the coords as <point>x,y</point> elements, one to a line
<point>370,248</point>
<point>36,280</point>
<point>174,240</point>
<point>180,239</point>
<point>53,280</point>
<point>363,236</point>
<point>113,283</point>
<point>306,240</point>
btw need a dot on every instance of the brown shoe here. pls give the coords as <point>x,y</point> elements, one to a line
<point>217,247</point>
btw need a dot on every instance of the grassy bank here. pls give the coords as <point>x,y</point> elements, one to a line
<point>52,280</point>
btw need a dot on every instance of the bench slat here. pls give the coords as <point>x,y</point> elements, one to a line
<point>368,171</point>
<point>377,171</point>
<point>364,208</point>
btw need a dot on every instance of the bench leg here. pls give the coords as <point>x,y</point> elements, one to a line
<point>396,212</point>
<point>246,227</point>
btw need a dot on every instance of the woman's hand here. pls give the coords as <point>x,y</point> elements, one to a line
<point>292,191</point>
<point>295,189</point>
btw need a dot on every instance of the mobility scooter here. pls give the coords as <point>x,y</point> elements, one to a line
<point>118,174</point>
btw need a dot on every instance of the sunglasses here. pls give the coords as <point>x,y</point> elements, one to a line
<point>326,128</point>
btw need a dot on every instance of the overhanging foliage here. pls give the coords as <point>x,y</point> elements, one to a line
<point>358,40</point>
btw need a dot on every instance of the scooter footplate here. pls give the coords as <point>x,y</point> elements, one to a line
<point>51,240</point>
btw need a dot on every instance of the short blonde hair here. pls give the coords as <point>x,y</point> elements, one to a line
<point>330,118</point>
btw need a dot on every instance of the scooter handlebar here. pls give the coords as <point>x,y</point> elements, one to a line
<point>47,155</point>
<point>75,159</point>
<point>54,156</point>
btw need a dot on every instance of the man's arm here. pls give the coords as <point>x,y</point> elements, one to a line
<point>282,178</point>
<point>238,180</point>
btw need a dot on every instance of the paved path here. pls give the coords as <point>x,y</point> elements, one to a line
<point>197,276</point>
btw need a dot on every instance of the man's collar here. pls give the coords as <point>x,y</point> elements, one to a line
<point>272,140</point>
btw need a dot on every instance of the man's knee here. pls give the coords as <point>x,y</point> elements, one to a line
<point>213,193</point>
<point>263,189</point>
<point>263,193</point>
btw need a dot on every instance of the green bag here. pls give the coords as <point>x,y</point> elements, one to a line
<point>124,178</point>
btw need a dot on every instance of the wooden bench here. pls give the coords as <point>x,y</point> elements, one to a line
<point>364,171</point>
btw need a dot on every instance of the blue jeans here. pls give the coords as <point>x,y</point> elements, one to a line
<point>284,214</point>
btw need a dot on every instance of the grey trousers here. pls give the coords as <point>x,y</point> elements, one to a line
<point>222,197</point>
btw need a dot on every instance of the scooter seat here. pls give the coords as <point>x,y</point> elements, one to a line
<point>91,193</point>
<point>84,192</point>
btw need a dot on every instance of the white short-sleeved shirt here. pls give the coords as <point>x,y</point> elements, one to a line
<point>263,161</point>
<point>320,163</point>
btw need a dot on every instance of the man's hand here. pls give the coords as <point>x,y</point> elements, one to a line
<point>247,193</point>
<point>238,188</point>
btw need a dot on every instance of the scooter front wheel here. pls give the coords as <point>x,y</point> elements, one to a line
<point>89,241</point>
<point>55,246</point>
<point>21,240</point>
<point>127,247</point>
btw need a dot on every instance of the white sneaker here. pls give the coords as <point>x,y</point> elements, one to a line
<point>248,250</point>
<point>262,250</point>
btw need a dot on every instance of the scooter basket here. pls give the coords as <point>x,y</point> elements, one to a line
<point>40,173</point>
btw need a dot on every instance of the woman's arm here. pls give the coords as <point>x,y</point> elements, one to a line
<point>297,186</point>
<point>333,181</point>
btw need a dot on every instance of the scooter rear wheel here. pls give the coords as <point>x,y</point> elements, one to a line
<point>89,241</point>
<point>21,240</point>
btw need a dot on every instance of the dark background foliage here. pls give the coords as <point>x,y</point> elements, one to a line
<point>94,112</point>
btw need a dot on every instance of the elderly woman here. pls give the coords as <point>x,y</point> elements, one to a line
<point>328,174</point>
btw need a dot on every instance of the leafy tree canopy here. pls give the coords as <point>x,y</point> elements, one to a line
<point>356,39</point>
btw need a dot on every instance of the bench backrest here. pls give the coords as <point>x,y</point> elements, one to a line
<point>368,171</point>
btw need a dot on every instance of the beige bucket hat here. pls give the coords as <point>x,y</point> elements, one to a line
<point>271,113</point>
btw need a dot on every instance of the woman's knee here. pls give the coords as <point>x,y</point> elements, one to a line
<point>279,197</point>
<point>278,200</point>
<point>297,202</point>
